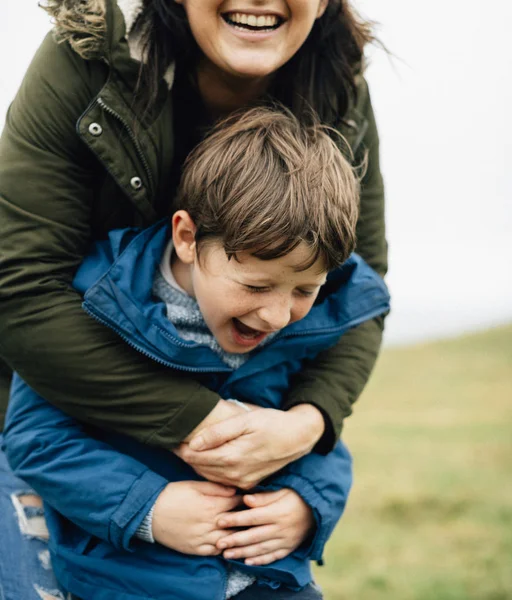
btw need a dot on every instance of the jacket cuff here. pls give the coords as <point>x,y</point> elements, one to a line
<point>186,420</point>
<point>134,509</point>
<point>333,418</point>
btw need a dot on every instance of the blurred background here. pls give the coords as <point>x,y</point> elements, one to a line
<point>430,516</point>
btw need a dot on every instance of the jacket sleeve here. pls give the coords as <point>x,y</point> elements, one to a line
<point>103,491</point>
<point>47,181</point>
<point>323,482</point>
<point>334,380</point>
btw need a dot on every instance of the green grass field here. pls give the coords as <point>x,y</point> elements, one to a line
<point>430,515</point>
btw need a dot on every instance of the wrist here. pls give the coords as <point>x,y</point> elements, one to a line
<point>310,424</point>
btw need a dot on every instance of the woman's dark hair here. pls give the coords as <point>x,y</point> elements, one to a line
<point>321,75</point>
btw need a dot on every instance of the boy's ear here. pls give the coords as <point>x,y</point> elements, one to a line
<point>184,236</point>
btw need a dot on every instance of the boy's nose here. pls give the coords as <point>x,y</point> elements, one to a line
<point>276,314</point>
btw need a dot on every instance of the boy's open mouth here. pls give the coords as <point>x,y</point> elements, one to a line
<point>245,335</point>
<point>257,23</point>
<point>246,331</point>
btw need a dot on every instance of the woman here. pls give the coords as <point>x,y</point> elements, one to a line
<point>94,141</point>
<point>78,159</point>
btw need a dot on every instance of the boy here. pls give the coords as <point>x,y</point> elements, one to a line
<point>265,216</point>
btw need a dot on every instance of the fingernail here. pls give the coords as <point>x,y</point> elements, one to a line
<point>222,545</point>
<point>250,498</point>
<point>222,523</point>
<point>197,443</point>
<point>229,554</point>
<point>248,561</point>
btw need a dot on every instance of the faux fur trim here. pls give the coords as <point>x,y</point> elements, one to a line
<point>131,9</point>
<point>82,23</point>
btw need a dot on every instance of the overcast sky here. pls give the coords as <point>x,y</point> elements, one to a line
<point>443,108</point>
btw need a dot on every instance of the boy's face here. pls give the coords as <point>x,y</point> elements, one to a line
<point>244,300</point>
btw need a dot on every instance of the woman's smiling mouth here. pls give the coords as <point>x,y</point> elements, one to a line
<point>251,22</point>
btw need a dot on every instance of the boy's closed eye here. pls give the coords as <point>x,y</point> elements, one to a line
<point>262,289</point>
<point>256,289</point>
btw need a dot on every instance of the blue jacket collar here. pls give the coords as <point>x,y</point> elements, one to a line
<point>116,280</point>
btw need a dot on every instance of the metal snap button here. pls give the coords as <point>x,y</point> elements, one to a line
<point>136,183</point>
<point>351,123</point>
<point>95,129</point>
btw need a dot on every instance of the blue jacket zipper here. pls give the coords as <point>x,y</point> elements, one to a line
<point>93,312</point>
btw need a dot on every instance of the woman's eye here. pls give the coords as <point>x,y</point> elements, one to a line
<point>255,289</point>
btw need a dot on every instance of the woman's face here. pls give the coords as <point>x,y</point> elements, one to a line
<point>251,39</point>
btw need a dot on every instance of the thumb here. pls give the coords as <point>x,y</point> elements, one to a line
<point>263,498</point>
<point>219,434</point>
<point>215,489</point>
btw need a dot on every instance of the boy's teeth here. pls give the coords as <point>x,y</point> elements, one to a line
<point>253,20</point>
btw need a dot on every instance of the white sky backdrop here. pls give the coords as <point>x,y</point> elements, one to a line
<point>444,108</point>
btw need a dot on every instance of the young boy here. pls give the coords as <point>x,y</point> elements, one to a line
<point>254,280</point>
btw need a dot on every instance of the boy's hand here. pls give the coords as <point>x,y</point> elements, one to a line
<point>186,514</point>
<point>278,523</point>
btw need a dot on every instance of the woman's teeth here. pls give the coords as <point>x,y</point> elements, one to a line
<point>252,22</point>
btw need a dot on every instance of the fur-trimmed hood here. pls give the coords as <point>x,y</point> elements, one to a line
<point>83,23</point>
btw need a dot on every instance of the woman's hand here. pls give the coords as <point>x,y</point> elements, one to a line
<point>278,523</point>
<point>244,449</point>
<point>186,514</point>
<point>222,411</point>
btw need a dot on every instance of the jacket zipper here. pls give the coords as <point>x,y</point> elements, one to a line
<point>107,323</point>
<point>133,138</point>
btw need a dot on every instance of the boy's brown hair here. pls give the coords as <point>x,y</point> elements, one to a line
<point>261,182</point>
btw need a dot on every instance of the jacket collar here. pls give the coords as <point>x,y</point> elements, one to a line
<point>117,283</point>
<point>131,9</point>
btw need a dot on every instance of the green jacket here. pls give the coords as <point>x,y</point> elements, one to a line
<point>75,162</point>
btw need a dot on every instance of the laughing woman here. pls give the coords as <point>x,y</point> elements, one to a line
<point>113,102</point>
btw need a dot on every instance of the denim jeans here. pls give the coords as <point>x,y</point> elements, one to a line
<point>25,567</point>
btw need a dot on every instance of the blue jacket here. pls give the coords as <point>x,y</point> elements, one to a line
<point>105,483</point>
